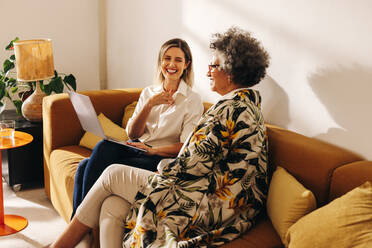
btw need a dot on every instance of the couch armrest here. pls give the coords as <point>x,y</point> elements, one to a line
<point>61,127</point>
<point>309,160</point>
<point>349,176</point>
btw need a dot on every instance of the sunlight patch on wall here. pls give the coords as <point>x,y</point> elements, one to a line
<point>319,79</point>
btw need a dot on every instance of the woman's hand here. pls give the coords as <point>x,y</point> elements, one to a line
<point>168,151</point>
<point>161,98</point>
<point>148,149</point>
<point>137,127</point>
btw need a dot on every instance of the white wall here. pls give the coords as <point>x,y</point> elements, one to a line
<point>320,79</point>
<point>135,32</point>
<point>318,83</point>
<point>72,26</point>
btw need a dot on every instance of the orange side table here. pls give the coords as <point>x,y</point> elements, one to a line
<point>9,223</point>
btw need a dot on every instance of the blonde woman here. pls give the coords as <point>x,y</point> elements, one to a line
<point>164,116</point>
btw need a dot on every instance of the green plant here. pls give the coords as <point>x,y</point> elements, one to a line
<point>9,86</point>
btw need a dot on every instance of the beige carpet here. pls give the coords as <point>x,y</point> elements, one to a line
<point>44,224</point>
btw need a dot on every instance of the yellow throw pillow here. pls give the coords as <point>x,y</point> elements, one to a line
<point>90,140</point>
<point>287,201</point>
<point>128,112</point>
<point>344,222</point>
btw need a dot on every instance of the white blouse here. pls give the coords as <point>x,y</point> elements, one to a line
<point>169,124</point>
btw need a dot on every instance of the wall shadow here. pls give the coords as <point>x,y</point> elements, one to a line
<point>282,34</point>
<point>275,103</point>
<point>345,93</point>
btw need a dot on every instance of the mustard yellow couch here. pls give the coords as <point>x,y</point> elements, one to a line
<point>328,171</point>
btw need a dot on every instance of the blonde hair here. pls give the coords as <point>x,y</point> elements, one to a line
<point>188,73</point>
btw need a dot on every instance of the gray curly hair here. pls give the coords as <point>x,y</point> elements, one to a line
<point>241,56</point>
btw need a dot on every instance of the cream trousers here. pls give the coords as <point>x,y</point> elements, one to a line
<point>109,200</point>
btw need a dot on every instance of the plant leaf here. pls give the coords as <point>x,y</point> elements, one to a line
<point>12,82</point>
<point>2,90</point>
<point>56,85</point>
<point>10,46</point>
<point>18,105</point>
<point>8,65</point>
<point>70,80</point>
<point>14,89</point>
<point>46,88</point>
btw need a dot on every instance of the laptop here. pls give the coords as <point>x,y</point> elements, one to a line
<point>89,121</point>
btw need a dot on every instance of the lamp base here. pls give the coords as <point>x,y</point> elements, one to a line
<point>12,224</point>
<point>32,106</point>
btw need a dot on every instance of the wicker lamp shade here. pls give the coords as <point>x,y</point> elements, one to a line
<point>34,59</point>
<point>34,62</point>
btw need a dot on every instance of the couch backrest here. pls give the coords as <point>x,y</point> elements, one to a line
<point>310,160</point>
<point>349,176</point>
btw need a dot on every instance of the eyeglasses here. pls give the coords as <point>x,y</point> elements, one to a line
<point>213,66</point>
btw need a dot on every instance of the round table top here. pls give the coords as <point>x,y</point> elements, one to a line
<point>20,139</point>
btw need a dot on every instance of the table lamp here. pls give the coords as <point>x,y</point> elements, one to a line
<point>34,62</point>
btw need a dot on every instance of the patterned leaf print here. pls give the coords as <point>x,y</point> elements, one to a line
<point>235,157</point>
<point>192,189</point>
<point>185,184</point>
<point>211,216</point>
<point>223,166</point>
<point>236,113</point>
<point>209,151</point>
<point>238,173</point>
<point>212,185</point>
<point>178,213</point>
<point>229,229</point>
<point>129,226</point>
<point>139,196</point>
<point>218,105</point>
<point>183,196</point>
<point>150,205</point>
<point>187,177</point>
<point>261,183</point>
<point>241,125</point>
<point>254,161</point>
<point>148,238</point>
<point>246,181</point>
<point>199,135</point>
<point>218,131</point>
<point>223,190</point>
<point>219,220</point>
<point>187,206</point>
<point>213,191</point>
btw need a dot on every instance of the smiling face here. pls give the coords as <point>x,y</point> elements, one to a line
<point>218,78</point>
<point>173,64</point>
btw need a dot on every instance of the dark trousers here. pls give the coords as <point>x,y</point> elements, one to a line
<point>104,154</point>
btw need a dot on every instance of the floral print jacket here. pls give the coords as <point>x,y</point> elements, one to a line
<point>212,192</point>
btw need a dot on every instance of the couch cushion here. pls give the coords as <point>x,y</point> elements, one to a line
<point>347,177</point>
<point>63,165</point>
<point>128,112</point>
<point>89,140</point>
<point>309,160</point>
<point>287,201</point>
<point>262,235</point>
<point>345,222</point>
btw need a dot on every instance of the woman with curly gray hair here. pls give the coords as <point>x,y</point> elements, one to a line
<point>239,60</point>
<point>214,189</point>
